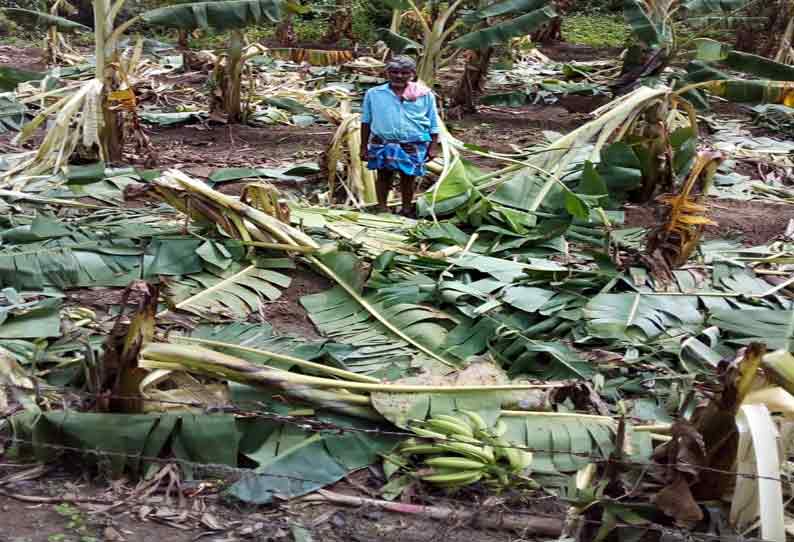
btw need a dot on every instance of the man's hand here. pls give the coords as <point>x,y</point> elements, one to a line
<point>432,152</point>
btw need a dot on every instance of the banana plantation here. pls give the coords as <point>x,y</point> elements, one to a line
<point>407,270</point>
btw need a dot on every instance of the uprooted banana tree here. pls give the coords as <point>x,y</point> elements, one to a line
<point>634,148</point>
<point>232,15</point>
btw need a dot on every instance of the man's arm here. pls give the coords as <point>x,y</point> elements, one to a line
<point>432,150</point>
<point>364,140</point>
<point>366,120</point>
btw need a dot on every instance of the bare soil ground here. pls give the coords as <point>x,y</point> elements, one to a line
<point>27,58</point>
<point>749,222</point>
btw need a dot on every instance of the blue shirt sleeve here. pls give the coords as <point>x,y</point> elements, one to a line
<point>366,109</point>
<point>432,113</point>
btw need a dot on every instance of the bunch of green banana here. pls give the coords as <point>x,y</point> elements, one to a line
<point>463,450</point>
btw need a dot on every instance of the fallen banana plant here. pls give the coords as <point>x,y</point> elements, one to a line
<point>314,57</point>
<point>638,124</point>
<point>347,396</point>
<point>248,224</point>
<point>357,181</point>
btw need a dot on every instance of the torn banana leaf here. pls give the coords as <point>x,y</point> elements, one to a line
<point>69,267</point>
<point>401,408</point>
<point>227,15</point>
<point>125,437</point>
<point>639,316</point>
<point>775,328</point>
<point>237,291</point>
<point>505,30</point>
<point>564,443</point>
<point>25,319</point>
<point>39,20</point>
<point>377,351</point>
<point>294,462</point>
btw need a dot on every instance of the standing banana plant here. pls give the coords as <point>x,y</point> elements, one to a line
<point>654,25</point>
<point>495,23</point>
<point>83,113</point>
<point>232,15</point>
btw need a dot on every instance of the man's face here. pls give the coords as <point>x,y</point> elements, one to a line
<point>399,77</point>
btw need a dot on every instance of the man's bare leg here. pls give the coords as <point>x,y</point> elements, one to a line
<point>407,188</point>
<point>383,186</point>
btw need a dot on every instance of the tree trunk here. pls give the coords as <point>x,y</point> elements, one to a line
<point>285,33</point>
<point>232,83</point>
<point>473,80</point>
<point>112,135</point>
<point>780,15</point>
<point>549,32</point>
<point>182,38</point>
<point>396,17</point>
<point>552,31</point>
<point>340,25</point>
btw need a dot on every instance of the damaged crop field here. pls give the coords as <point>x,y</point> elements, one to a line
<point>581,329</point>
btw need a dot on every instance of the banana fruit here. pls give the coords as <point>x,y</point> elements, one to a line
<point>461,450</point>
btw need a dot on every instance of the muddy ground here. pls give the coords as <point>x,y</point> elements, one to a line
<point>114,511</point>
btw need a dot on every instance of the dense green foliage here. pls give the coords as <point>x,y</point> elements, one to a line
<point>595,30</point>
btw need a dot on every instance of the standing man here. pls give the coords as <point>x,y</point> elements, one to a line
<point>399,131</point>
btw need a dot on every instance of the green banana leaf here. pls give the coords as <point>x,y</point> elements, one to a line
<point>10,78</point>
<point>237,291</point>
<point>294,462</point>
<point>775,328</point>
<point>24,319</point>
<point>647,30</point>
<point>397,43</point>
<point>42,20</point>
<point>454,190</point>
<point>106,264</point>
<point>504,7</point>
<point>522,188</point>
<point>124,438</point>
<point>713,6</point>
<point>709,50</point>
<point>377,352</point>
<point>221,15</point>
<point>12,113</point>
<point>545,360</point>
<point>759,66</point>
<point>228,338</point>
<point>562,444</point>
<point>504,31</point>
<point>640,317</point>
<point>506,99</point>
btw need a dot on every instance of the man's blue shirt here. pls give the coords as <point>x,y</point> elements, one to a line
<point>393,119</point>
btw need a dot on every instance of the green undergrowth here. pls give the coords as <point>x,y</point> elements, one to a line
<point>595,30</point>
